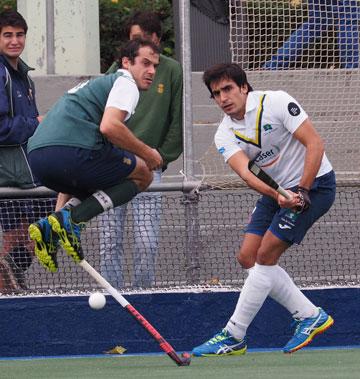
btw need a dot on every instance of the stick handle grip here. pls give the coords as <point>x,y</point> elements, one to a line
<point>283,192</point>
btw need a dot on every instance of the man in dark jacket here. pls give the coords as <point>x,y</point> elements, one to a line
<point>19,118</point>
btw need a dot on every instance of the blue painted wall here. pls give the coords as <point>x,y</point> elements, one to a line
<point>66,325</point>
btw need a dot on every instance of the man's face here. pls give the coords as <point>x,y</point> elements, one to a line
<point>137,32</point>
<point>230,97</point>
<point>144,67</point>
<point>12,41</point>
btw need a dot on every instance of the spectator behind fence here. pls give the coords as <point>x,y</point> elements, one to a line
<point>157,122</point>
<point>343,16</point>
<point>19,118</point>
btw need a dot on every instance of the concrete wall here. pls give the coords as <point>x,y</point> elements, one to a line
<point>63,36</point>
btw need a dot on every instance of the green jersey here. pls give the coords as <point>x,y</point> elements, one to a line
<point>75,119</point>
<point>158,117</point>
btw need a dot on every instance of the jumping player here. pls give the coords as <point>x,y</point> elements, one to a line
<point>83,148</point>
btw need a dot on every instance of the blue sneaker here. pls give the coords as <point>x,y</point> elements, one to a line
<point>307,329</point>
<point>46,243</point>
<point>68,232</point>
<point>220,345</point>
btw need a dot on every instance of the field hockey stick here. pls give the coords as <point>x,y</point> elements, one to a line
<point>267,179</point>
<point>184,360</point>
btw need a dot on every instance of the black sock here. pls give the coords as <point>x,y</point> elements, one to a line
<point>91,207</point>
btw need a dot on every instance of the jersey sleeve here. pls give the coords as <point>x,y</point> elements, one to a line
<point>225,141</point>
<point>288,110</point>
<point>124,95</point>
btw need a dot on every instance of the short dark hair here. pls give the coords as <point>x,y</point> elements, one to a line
<point>14,19</point>
<point>221,71</point>
<point>149,22</point>
<point>131,49</point>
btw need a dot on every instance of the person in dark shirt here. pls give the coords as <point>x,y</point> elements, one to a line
<point>19,118</point>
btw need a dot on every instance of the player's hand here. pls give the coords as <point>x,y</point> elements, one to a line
<point>154,160</point>
<point>303,200</point>
<point>287,203</point>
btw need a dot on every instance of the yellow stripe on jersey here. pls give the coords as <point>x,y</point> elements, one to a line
<point>257,140</point>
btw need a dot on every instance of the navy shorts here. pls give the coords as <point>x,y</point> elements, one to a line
<point>287,225</point>
<point>81,172</point>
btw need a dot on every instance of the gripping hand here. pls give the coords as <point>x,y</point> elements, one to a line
<point>304,201</point>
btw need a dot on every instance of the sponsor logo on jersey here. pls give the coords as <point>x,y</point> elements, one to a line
<point>221,150</point>
<point>267,127</point>
<point>269,157</point>
<point>160,88</point>
<point>78,86</point>
<point>127,161</point>
<point>293,109</point>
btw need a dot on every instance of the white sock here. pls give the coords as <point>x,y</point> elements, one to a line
<point>254,292</point>
<point>286,293</point>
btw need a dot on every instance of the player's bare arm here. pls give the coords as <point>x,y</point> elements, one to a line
<point>239,163</point>
<point>113,128</point>
<point>308,136</point>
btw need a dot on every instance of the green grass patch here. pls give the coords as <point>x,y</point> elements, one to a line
<point>329,364</point>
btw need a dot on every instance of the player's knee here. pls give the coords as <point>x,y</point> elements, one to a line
<point>264,258</point>
<point>246,261</point>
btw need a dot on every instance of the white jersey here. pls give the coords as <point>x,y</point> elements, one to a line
<point>266,131</point>
<point>124,94</point>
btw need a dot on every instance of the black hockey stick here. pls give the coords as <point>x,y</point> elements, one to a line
<point>265,178</point>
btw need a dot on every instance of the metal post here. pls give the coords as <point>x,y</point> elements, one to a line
<point>50,38</point>
<point>185,52</point>
<point>190,200</point>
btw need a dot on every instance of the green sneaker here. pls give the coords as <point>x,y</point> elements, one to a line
<point>221,344</point>
<point>46,243</point>
<point>68,232</point>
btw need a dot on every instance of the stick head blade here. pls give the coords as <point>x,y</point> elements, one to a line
<point>185,359</point>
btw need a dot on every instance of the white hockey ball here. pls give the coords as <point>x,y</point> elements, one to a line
<point>97,300</point>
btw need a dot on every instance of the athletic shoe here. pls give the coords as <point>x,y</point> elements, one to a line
<point>46,243</point>
<point>220,345</point>
<point>68,232</point>
<point>307,329</point>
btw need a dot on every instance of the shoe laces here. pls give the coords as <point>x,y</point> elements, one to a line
<point>53,242</point>
<point>219,337</point>
<point>74,228</point>
<point>297,324</point>
<point>300,323</point>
